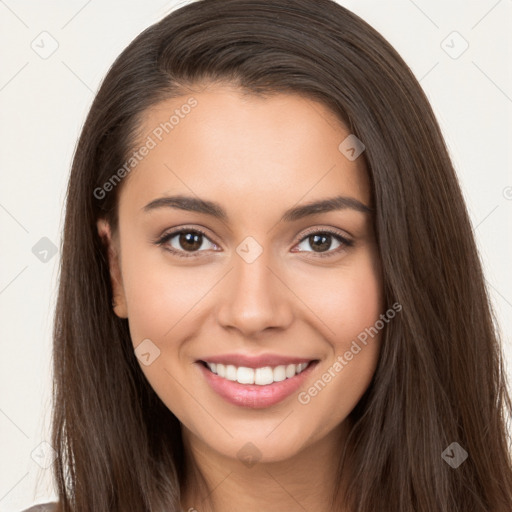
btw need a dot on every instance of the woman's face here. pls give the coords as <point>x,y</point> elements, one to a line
<point>254,284</point>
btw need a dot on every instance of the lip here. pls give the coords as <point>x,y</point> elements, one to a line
<point>253,361</point>
<point>254,396</point>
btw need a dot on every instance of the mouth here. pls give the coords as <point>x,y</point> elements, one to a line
<point>256,386</point>
<point>262,376</point>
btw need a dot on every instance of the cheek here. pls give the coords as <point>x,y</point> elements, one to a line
<point>359,307</point>
<point>160,295</point>
<point>345,301</point>
<point>161,299</point>
<point>353,355</point>
<point>348,306</point>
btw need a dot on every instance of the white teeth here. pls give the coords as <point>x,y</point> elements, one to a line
<point>231,372</point>
<point>263,376</point>
<point>301,367</point>
<point>221,370</point>
<point>291,369</point>
<point>245,375</point>
<point>279,373</point>
<point>260,376</point>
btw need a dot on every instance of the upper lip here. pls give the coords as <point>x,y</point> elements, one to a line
<point>252,361</point>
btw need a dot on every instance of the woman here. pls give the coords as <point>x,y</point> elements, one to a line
<point>270,294</point>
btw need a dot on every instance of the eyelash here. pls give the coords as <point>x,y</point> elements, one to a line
<point>345,242</point>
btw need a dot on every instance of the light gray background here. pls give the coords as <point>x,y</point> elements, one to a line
<point>43,104</point>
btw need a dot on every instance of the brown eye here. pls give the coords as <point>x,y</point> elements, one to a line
<point>324,243</point>
<point>181,242</point>
<point>320,243</point>
<point>190,241</point>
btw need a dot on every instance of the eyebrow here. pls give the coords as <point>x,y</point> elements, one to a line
<point>194,204</point>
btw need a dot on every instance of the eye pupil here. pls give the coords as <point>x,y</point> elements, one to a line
<point>190,241</point>
<point>323,240</point>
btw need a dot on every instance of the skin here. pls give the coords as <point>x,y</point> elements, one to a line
<point>257,157</point>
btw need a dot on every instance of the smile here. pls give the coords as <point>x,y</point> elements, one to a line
<point>260,384</point>
<point>259,376</point>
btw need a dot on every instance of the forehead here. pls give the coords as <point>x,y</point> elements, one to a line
<point>223,143</point>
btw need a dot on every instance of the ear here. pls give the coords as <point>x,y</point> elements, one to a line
<point>119,299</point>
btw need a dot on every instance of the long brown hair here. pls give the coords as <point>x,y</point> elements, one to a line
<point>440,377</point>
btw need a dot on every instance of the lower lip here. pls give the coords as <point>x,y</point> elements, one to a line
<point>253,395</point>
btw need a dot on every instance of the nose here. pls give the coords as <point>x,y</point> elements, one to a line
<point>254,298</point>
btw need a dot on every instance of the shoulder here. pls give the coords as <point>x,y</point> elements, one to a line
<point>43,507</point>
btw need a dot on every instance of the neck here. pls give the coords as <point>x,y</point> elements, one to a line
<point>306,481</point>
